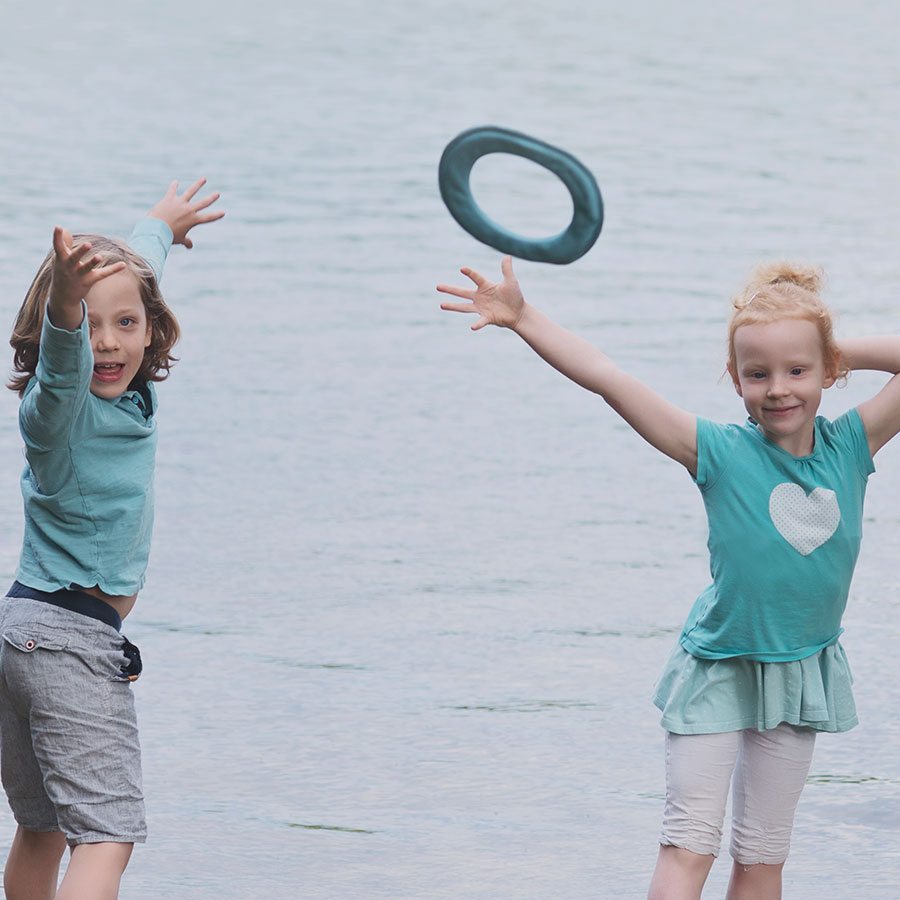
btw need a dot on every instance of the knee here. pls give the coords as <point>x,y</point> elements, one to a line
<point>757,882</point>
<point>113,855</point>
<point>39,844</point>
<point>687,861</point>
<point>680,874</point>
<point>32,866</point>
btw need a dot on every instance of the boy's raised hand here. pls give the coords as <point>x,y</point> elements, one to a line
<point>496,304</point>
<point>75,271</point>
<point>181,212</point>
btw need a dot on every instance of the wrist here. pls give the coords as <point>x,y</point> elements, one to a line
<point>154,225</point>
<point>64,314</point>
<point>522,316</point>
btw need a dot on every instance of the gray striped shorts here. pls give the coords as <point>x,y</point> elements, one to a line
<point>69,750</point>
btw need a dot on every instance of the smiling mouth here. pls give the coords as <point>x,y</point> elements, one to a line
<point>108,372</point>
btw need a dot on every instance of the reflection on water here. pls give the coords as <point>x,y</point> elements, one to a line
<point>409,590</point>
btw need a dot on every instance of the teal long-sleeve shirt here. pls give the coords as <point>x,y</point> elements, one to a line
<point>88,481</point>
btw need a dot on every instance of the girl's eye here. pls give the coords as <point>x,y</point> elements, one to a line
<point>126,321</point>
<point>758,375</point>
<point>796,371</point>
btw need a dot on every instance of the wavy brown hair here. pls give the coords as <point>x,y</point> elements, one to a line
<point>786,290</point>
<point>164,330</point>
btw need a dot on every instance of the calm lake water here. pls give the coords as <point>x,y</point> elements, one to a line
<point>410,589</point>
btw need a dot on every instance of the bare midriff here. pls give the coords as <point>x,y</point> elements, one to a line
<point>122,605</point>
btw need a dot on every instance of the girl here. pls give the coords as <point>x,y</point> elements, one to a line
<point>90,338</point>
<point>758,669</point>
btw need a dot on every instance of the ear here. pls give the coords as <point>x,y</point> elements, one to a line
<point>149,336</point>
<point>735,382</point>
<point>831,369</point>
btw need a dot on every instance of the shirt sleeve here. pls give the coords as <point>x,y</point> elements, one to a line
<point>152,239</point>
<point>715,444</point>
<point>850,431</point>
<point>55,398</point>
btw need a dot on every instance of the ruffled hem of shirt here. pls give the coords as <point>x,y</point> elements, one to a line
<point>707,696</point>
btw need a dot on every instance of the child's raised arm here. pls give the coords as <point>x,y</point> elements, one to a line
<point>881,414</point>
<point>667,427</point>
<point>181,212</point>
<point>75,271</point>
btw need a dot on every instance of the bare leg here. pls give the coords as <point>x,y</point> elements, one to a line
<point>759,882</point>
<point>679,874</point>
<point>32,868</point>
<point>95,871</point>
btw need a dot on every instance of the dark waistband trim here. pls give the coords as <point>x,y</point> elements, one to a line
<point>74,601</point>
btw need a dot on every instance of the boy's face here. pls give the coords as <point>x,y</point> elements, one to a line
<point>780,374</point>
<point>120,333</point>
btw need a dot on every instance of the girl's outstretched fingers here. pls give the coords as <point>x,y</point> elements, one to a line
<point>467,294</point>
<point>506,267</point>
<point>496,304</point>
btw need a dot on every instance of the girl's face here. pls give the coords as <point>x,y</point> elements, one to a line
<point>780,374</point>
<point>120,333</point>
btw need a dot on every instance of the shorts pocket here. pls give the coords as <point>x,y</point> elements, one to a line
<point>30,639</point>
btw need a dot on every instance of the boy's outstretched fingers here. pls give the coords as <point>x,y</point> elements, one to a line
<point>74,260</point>
<point>76,269</point>
<point>208,200</point>
<point>67,251</point>
<point>181,212</point>
<point>189,192</point>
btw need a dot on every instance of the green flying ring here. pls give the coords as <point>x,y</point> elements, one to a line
<point>453,178</point>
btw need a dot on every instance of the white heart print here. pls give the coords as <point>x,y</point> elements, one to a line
<point>804,520</point>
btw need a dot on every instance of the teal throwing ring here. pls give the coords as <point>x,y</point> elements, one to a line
<point>453,178</point>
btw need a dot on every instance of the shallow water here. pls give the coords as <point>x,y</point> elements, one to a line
<point>410,589</point>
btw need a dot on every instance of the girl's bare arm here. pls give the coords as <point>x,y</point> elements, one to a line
<point>667,427</point>
<point>880,414</point>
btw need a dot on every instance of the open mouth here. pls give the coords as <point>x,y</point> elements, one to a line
<point>108,372</point>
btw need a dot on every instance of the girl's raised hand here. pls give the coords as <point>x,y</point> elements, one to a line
<point>496,304</point>
<point>181,212</point>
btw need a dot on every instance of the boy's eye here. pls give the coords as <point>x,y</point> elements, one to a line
<point>126,321</point>
<point>797,370</point>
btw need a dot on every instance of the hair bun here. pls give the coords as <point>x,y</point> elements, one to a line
<point>808,277</point>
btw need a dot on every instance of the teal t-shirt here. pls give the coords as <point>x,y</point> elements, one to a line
<point>88,482</point>
<point>784,535</point>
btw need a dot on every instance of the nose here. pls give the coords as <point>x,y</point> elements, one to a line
<point>105,338</point>
<point>778,387</point>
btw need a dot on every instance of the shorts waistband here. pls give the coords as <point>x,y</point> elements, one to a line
<point>74,601</point>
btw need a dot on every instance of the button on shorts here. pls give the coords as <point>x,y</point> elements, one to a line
<point>69,750</point>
